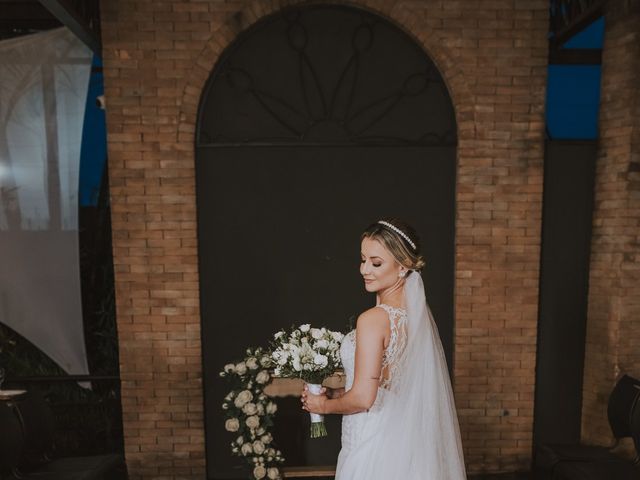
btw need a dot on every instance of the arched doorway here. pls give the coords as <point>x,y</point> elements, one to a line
<point>315,122</point>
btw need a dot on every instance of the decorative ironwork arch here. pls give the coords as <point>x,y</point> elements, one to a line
<point>286,82</point>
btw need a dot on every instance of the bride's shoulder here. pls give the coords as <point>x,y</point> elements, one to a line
<point>374,317</point>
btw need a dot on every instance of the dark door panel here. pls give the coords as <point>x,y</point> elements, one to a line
<point>279,244</point>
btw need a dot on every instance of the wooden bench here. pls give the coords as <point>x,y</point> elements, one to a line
<point>309,472</point>
<point>291,387</point>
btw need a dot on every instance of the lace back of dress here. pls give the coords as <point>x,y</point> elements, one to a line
<point>397,344</point>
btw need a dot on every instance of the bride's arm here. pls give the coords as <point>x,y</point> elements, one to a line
<point>335,392</point>
<point>370,332</point>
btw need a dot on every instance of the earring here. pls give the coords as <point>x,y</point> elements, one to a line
<point>402,274</point>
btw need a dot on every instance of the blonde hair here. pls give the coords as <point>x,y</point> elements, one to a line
<point>401,250</point>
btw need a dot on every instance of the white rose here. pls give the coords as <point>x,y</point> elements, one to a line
<point>321,360</point>
<point>337,336</point>
<point>241,368</point>
<point>229,368</point>
<point>260,409</point>
<point>260,431</point>
<point>296,364</point>
<point>316,333</point>
<point>263,377</point>
<point>240,440</point>
<point>272,408</point>
<point>232,425</point>
<point>278,334</point>
<point>259,471</point>
<point>250,408</point>
<point>253,421</point>
<point>321,344</point>
<point>252,363</point>
<point>246,449</point>
<point>266,439</point>
<point>265,361</point>
<point>305,327</point>
<point>273,473</point>
<point>282,359</point>
<point>258,447</point>
<point>243,397</point>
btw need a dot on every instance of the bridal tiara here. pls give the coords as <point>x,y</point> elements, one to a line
<point>399,232</point>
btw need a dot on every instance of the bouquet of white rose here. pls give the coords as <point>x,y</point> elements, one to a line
<point>249,413</point>
<point>311,354</point>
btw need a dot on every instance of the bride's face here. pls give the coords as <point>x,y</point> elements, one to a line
<point>378,267</point>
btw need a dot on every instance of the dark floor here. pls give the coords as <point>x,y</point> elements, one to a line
<point>494,476</point>
<point>506,476</point>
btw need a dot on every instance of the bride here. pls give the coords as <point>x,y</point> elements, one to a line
<point>399,419</point>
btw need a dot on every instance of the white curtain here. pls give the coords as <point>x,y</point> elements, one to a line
<point>43,91</point>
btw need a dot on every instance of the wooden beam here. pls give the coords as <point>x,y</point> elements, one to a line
<point>64,11</point>
<point>575,56</point>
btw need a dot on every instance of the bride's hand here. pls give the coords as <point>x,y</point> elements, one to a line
<point>313,403</point>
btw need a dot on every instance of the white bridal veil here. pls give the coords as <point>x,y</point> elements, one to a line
<point>417,436</point>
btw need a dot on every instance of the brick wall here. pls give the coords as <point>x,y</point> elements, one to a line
<point>157,56</point>
<point>613,324</point>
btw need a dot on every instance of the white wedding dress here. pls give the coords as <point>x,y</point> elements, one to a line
<point>411,431</point>
<point>359,429</point>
